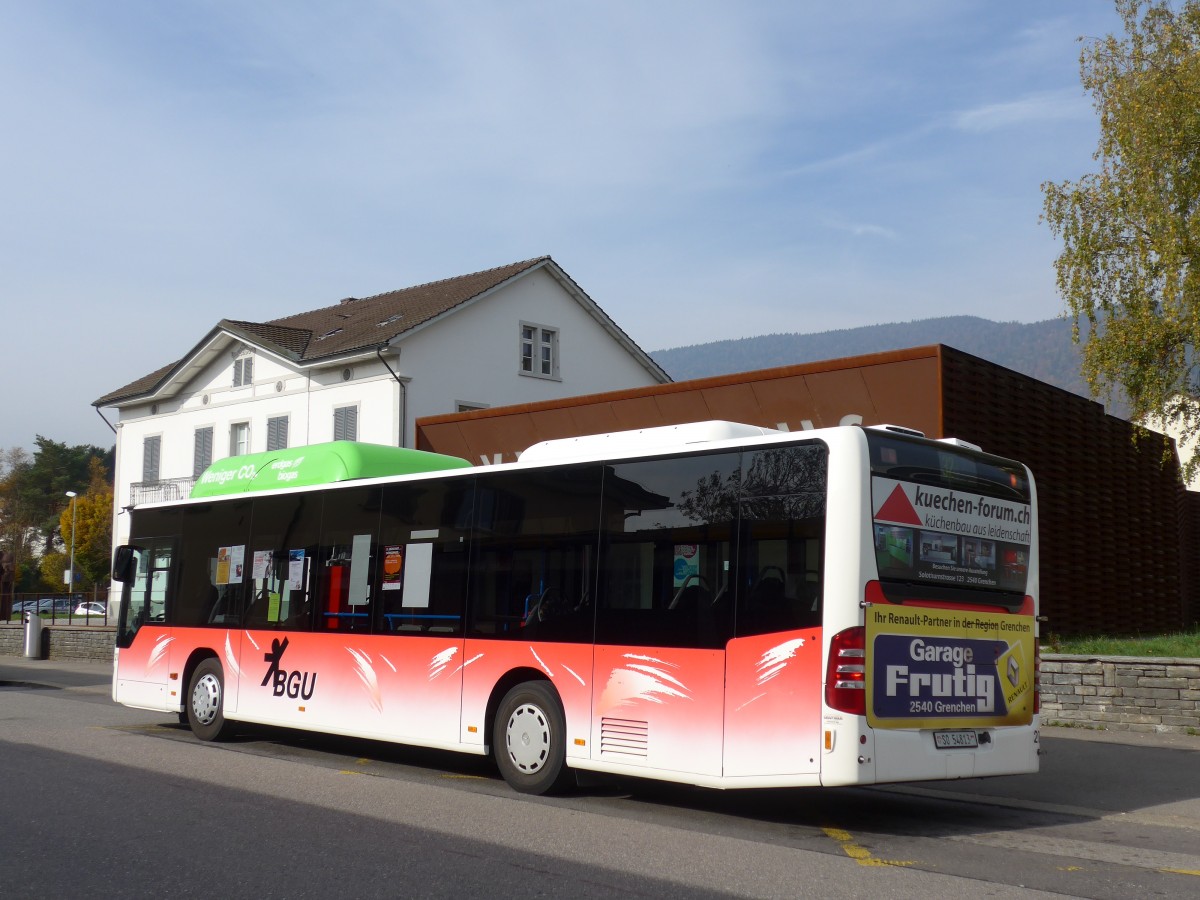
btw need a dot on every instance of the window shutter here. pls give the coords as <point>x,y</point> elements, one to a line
<point>202,456</point>
<point>150,456</point>
<point>345,423</point>
<point>277,433</point>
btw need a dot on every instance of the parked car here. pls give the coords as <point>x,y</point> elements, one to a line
<point>58,606</point>
<point>91,608</point>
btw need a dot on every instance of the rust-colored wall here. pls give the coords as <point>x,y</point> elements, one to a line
<point>897,388</point>
<point>1118,528</point>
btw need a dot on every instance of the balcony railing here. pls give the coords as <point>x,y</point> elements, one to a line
<point>155,491</point>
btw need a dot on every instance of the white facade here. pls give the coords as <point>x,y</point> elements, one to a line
<point>468,357</point>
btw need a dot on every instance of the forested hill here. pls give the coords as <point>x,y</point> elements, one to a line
<point>1042,350</point>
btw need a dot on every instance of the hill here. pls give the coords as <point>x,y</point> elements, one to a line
<point>1042,350</point>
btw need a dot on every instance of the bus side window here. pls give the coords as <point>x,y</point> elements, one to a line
<point>782,535</point>
<point>213,571</point>
<point>533,554</point>
<point>666,551</point>
<point>283,548</point>
<point>421,577</point>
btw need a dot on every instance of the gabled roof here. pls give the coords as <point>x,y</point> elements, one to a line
<point>357,325</point>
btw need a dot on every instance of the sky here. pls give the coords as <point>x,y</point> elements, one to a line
<point>703,170</point>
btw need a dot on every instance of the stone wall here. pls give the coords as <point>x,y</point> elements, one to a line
<point>62,642</point>
<point>1121,693</point>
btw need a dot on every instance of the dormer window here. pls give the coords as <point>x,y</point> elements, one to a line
<point>243,369</point>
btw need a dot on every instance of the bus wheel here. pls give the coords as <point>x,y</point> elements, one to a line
<point>529,739</point>
<point>205,700</point>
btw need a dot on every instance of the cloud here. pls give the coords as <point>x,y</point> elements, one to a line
<point>1046,106</point>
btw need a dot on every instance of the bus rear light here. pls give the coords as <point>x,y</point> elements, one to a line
<point>846,677</point>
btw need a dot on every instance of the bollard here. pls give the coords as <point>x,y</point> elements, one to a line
<point>33,635</point>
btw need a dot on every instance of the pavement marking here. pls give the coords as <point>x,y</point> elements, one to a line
<point>1047,845</point>
<point>861,855</point>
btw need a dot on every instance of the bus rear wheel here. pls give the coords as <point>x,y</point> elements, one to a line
<point>206,702</point>
<point>529,739</point>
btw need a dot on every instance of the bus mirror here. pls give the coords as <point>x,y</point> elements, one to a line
<point>124,562</point>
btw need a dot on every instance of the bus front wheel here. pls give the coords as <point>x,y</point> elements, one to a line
<point>206,701</point>
<point>529,739</point>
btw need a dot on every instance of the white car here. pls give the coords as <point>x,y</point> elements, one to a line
<point>91,608</point>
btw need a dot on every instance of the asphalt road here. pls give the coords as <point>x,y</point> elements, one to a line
<point>101,801</point>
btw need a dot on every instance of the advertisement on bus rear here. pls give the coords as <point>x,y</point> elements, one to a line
<point>948,668</point>
<point>950,537</point>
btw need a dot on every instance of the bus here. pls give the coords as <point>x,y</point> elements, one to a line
<point>714,604</point>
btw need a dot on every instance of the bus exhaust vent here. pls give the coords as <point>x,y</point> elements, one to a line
<point>898,429</point>
<point>624,737</point>
<point>958,442</point>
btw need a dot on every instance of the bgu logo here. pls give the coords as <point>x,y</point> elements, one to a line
<point>295,685</point>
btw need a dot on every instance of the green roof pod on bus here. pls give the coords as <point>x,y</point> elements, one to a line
<point>316,464</point>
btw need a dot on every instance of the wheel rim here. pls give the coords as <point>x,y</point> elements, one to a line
<point>527,738</point>
<point>206,699</point>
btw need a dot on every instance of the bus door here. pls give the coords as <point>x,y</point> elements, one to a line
<point>141,676</point>
<point>665,611</point>
<point>773,664</point>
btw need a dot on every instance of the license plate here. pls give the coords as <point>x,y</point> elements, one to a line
<point>955,740</point>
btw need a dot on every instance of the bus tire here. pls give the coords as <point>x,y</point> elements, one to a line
<point>529,739</point>
<point>206,702</point>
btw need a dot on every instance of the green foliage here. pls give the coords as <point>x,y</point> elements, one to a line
<point>33,495</point>
<point>51,567</point>
<point>1185,645</point>
<point>91,525</point>
<point>1129,271</point>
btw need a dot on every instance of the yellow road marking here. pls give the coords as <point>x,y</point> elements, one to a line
<point>861,855</point>
<point>1195,872</point>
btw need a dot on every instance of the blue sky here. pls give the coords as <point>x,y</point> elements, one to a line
<point>704,170</point>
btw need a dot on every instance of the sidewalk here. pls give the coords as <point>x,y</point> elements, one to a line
<point>56,672</point>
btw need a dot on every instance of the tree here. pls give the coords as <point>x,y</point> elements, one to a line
<point>92,525</point>
<point>33,493</point>
<point>1129,270</point>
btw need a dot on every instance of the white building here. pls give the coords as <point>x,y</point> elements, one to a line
<point>365,369</point>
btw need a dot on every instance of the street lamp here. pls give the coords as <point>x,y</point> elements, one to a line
<point>71,571</point>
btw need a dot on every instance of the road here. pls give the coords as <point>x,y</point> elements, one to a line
<point>103,801</point>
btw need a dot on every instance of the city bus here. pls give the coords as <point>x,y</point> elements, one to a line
<point>714,604</point>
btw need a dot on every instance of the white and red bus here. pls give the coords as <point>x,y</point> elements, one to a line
<point>714,604</point>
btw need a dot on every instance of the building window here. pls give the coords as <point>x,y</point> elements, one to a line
<point>202,456</point>
<point>277,433</point>
<point>539,350</point>
<point>151,453</point>
<point>461,406</point>
<point>345,423</point>
<point>239,438</point>
<point>243,370</point>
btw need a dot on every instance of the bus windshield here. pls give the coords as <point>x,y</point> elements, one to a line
<point>949,523</point>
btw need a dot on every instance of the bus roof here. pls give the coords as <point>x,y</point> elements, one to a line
<point>316,464</point>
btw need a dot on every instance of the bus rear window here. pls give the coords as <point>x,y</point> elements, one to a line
<point>948,522</point>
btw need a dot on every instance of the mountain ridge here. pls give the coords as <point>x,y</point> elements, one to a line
<point>1042,350</point>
